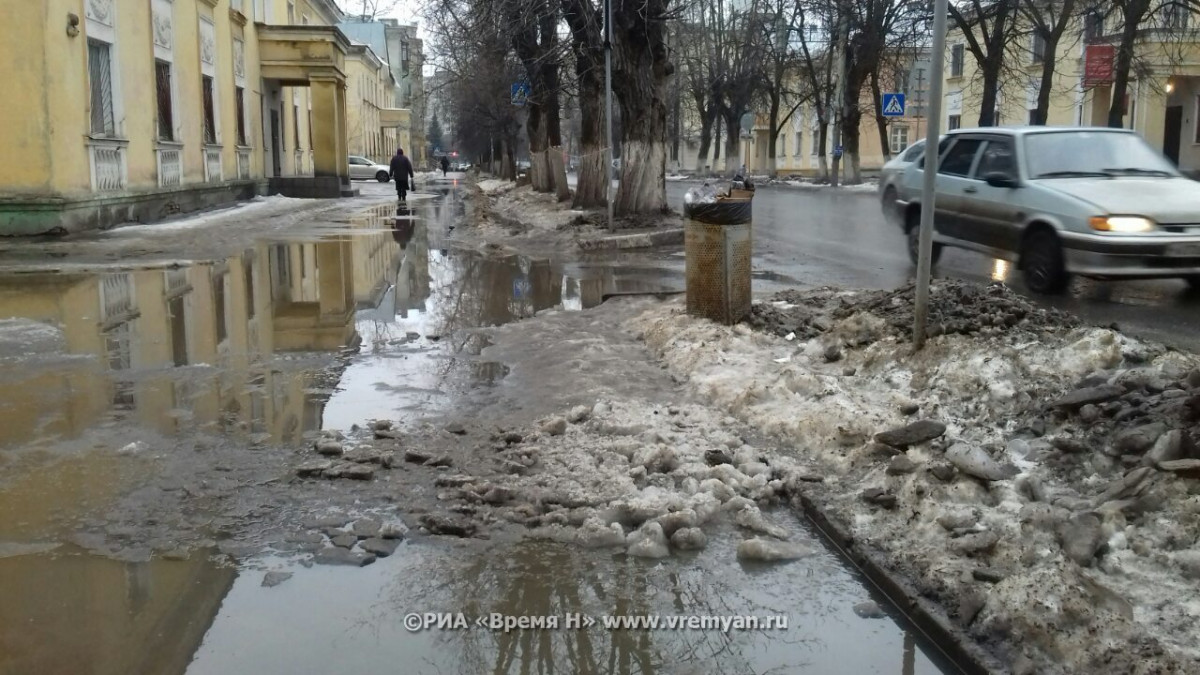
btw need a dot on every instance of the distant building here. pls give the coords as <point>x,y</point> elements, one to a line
<point>398,46</point>
<point>134,111</point>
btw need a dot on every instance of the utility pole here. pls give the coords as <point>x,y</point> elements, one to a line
<point>608,114</point>
<point>928,193</point>
<point>839,110</point>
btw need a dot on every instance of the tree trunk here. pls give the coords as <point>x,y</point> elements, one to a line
<point>851,136</point>
<point>822,151</point>
<point>733,150</point>
<point>881,122</point>
<point>716,157</point>
<point>991,83</point>
<point>539,170</point>
<point>706,132</point>
<point>642,66</point>
<point>1042,111</point>
<point>1120,87</point>
<point>773,141</point>
<point>591,190</point>
<point>558,169</point>
<point>587,45</point>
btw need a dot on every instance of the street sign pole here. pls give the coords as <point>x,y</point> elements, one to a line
<point>928,195</point>
<point>608,113</point>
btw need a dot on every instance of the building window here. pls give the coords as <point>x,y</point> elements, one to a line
<point>162,84</point>
<point>799,143</point>
<point>210,117</point>
<point>239,100</point>
<point>954,122</point>
<point>1038,47</point>
<point>902,77</point>
<point>1093,25</point>
<point>1175,16</point>
<point>295,127</point>
<point>219,305</point>
<point>100,82</point>
<point>898,135</point>
<point>291,10</point>
<point>957,54</point>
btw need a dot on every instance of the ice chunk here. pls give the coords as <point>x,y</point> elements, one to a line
<point>595,534</point>
<point>752,519</point>
<point>648,542</point>
<point>770,550</point>
<point>689,539</point>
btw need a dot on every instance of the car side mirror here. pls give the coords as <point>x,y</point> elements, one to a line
<point>1001,180</point>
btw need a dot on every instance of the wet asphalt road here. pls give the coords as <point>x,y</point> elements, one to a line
<point>823,237</point>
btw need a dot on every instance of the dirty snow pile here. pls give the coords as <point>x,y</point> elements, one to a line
<point>493,186</point>
<point>1033,478</point>
<point>628,475</point>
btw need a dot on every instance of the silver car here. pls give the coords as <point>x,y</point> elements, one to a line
<point>362,168</point>
<point>1096,202</point>
<point>891,178</point>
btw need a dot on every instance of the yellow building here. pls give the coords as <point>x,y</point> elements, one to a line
<point>135,110</point>
<point>1163,98</point>
<point>375,127</point>
<point>797,143</point>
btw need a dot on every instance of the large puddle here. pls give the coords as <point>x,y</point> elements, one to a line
<point>322,329</point>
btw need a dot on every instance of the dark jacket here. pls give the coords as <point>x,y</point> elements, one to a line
<point>445,164</point>
<point>401,167</point>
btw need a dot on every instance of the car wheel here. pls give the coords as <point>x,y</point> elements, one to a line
<point>913,233</point>
<point>382,177</point>
<point>1042,263</point>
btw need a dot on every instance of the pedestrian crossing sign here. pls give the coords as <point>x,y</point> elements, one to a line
<point>893,105</point>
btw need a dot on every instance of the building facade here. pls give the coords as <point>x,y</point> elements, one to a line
<point>397,46</point>
<point>374,126</point>
<point>137,110</point>
<point>1162,102</point>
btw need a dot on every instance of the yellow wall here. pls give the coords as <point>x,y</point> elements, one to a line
<point>25,118</point>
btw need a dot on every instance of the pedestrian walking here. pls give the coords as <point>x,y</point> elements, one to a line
<point>402,173</point>
<point>445,165</point>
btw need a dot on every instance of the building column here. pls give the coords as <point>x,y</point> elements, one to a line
<point>343,134</point>
<point>334,294</point>
<point>330,158</point>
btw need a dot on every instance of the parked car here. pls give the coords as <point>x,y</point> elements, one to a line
<point>362,168</point>
<point>1096,202</point>
<point>891,177</point>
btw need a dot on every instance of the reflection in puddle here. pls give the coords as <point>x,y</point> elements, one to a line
<point>335,619</point>
<point>1000,270</point>
<point>65,613</point>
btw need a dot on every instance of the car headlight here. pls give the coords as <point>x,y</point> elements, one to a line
<point>1125,224</point>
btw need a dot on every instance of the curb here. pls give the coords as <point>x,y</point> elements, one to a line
<point>925,616</point>
<point>670,237</point>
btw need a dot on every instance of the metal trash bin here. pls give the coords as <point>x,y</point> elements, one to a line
<point>717,245</point>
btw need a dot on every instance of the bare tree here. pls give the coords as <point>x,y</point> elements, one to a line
<point>1137,18</point>
<point>369,10</point>
<point>783,91</point>
<point>988,26</point>
<point>585,21</point>
<point>816,66</point>
<point>1049,20</point>
<point>642,68</point>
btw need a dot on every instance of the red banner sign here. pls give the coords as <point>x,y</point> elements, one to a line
<point>1098,65</point>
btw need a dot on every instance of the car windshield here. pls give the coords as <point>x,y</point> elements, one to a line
<point>1069,154</point>
<point>913,151</point>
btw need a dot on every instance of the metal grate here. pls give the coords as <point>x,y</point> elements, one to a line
<point>718,271</point>
<point>108,165</point>
<point>212,165</point>
<point>116,297</point>
<point>243,160</point>
<point>170,167</point>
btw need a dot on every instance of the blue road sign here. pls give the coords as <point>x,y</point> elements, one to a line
<point>520,93</point>
<point>893,105</point>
